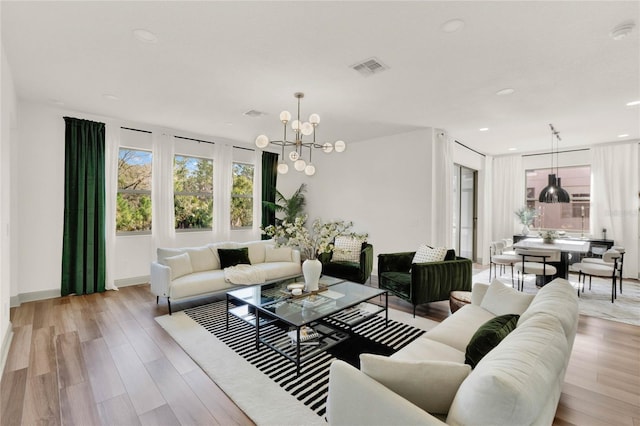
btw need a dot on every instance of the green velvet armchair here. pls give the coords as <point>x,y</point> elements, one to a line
<point>358,272</point>
<point>420,283</point>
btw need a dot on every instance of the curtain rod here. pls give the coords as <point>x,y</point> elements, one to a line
<point>135,130</point>
<point>557,152</point>
<point>246,149</point>
<point>470,149</point>
<point>195,140</point>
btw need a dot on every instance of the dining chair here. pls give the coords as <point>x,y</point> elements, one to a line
<point>497,257</point>
<point>536,262</point>
<point>608,268</point>
<point>600,261</point>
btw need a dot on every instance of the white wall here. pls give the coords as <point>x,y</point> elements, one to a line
<point>8,128</point>
<point>382,185</point>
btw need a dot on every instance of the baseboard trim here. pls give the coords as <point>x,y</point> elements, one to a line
<point>16,301</point>
<point>126,282</point>
<point>6,344</point>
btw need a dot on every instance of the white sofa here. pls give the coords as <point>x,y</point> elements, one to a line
<point>179,277</point>
<point>518,382</point>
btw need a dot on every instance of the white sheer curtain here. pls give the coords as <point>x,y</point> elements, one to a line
<point>222,192</point>
<point>508,196</point>
<point>112,149</point>
<point>162,227</point>
<point>442,185</point>
<point>614,198</point>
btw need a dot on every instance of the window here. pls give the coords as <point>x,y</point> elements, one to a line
<point>133,211</point>
<point>242,196</point>
<point>573,216</point>
<point>193,193</point>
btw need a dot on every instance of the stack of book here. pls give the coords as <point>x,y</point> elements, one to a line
<point>308,336</point>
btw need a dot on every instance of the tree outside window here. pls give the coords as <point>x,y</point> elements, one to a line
<point>572,216</point>
<point>133,210</point>
<point>193,193</point>
<point>242,196</point>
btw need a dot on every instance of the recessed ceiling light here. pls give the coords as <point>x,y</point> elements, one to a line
<point>483,129</point>
<point>622,30</point>
<point>513,149</point>
<point>624,135</point>
<point>633,103</point>
<point>452,25</point>
<point>507,91</point>
<point>110,97</point>
<point>145,36</point>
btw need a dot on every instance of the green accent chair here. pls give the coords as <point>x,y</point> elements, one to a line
<point>358,272</point>
<point>420,283</point>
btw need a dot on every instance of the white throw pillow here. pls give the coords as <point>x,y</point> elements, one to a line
<point>346,249</point>
<point>279,254</point>
<point>431,385</point>
<point>180,265</point>
<point>429,254</point>
<point>202,258</point>
<point>502,300</point>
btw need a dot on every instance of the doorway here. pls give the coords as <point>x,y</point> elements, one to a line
<point>465,183</point>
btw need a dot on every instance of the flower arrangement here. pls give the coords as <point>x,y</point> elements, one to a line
<point>312,242</point>
<point>526,215</point>
<point>549,235</point>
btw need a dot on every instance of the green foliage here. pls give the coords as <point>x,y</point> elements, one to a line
<point>133,212</point>
<point>133,205</point>
<point>292,207</point>
<point>526,215</point>
<point>242,196</point>
<point>193,192</point>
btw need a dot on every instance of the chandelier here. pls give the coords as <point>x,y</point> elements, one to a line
<point>553,192</point>
<point>300,129</point>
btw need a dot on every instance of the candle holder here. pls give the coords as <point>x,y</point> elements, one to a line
<point>582,228</point>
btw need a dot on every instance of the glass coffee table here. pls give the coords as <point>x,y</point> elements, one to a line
<point>300,327</point>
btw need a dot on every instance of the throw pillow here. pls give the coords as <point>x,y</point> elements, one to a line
<point>488,336</point>
<point>431,385</point>
<point>346,249</point>
<point>233,257</point>
<point>429,254</point>
<point>180,265</point>
<point>502,300</point>
<point>202,258</point>
<point>279,254</point>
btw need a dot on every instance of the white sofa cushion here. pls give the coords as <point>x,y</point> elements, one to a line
<point>425,349</point>
<point>180,265</point>
<point>274,270</point>
<point>163,253</point>
<point>502,300</point>
<point>431,385</point>
<point>513,385</point>
<point>457,330</point>
<point>257,250</point>
<point>277,254</point>
<point>199,283</point>
<point>202,258</point>
<point>478,291</point>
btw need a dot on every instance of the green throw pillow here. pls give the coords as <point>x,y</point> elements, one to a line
<point>233,257</point>
<point>488,336</point>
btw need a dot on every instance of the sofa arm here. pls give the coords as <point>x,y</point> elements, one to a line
<point>295,256</point>
<point>395,262</point>
<point>160,279</point>
<point>433,281</point>
<point>477,293</point>
<point>366,262</point>
<point>357,399</point>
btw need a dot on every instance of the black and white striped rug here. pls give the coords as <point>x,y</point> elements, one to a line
<point>311,386</point>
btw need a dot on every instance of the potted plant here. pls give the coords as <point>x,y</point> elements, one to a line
<point>549,236</point>
<point>292,207</point>
<point>526,216</point>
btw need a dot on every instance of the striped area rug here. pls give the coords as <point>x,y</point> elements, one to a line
<point>311,386</point>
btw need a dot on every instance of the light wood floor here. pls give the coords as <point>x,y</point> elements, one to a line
<point>102,359</point>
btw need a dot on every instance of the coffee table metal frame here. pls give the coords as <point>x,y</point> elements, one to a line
<point>324,317</point>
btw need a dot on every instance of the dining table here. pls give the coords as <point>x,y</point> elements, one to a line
<point>568,247</point>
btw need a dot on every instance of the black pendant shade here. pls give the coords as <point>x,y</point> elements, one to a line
<point>553,192</point>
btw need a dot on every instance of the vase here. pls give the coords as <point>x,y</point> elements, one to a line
<point>525,229</point>
<point>311,269</point>
<point>547,240</point>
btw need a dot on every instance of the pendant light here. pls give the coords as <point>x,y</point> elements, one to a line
<point>553,192</point>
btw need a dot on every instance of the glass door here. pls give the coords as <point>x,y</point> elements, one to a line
<point>464,211</point>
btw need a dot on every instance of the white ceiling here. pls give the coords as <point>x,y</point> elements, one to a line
<point>216,60</point>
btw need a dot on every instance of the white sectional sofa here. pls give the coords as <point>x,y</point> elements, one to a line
<point>518,382</point>
<point>177,276</point>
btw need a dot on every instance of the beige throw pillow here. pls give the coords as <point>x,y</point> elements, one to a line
<point>429,254</point>
<point>180,265</point>
<point>431,385</point>
<point>502,300</point>
<point>279,254</point>
<point>202,259</point>
<point>346,249</point>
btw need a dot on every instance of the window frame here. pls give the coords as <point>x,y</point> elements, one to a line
<point>134,192</point>
<point>252,196</point>
<point>194,194</point>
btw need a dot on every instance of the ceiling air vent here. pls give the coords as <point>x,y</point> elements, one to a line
<point>254,113</point>
<point>369,67</point>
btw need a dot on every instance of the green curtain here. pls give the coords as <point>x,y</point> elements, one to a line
<point>84,245</point>
<point>269,178</point>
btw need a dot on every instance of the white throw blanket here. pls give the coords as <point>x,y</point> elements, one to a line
<point>244,274</point>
